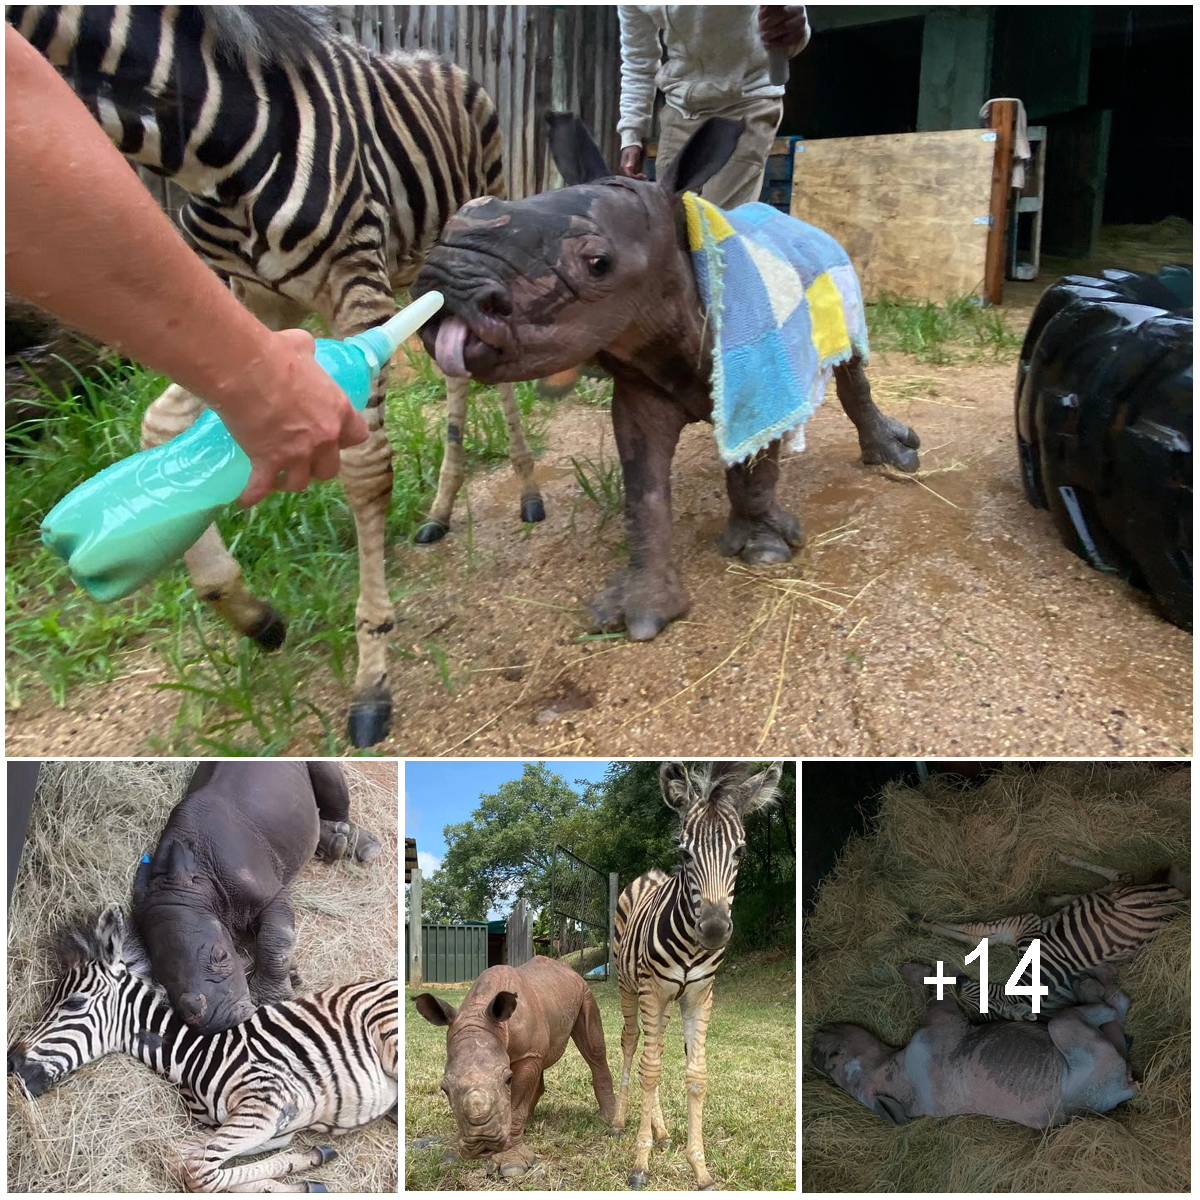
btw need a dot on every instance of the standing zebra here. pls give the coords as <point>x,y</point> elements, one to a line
<point>319,173</point>
<point>327,1062</point>
<point>1112,924</point>
<point>671,934</point>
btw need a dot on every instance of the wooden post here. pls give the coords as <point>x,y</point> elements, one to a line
<point>612,923</point>
<point>1002,115</point>
<point>414,930</point>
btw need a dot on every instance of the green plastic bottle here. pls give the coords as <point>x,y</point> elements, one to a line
<point>120,528</point>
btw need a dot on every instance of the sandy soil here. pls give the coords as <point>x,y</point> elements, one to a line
<point>936,617</point>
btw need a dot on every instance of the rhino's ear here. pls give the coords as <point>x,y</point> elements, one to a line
<point>434,1009</point>
<point>891,1109</point>
<point>180,860</point>
<point>573,149</point>
<point>141,881</point>
<point>502,1007</point>
<point>702,156</point>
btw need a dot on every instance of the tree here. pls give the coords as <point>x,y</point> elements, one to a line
<point>505,849</point>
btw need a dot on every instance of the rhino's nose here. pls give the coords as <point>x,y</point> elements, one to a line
<point>477,1107</point>
<point>192,1006</point>
<point>493,301</point>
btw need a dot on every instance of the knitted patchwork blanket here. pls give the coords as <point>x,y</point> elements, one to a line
<point>785,308</point>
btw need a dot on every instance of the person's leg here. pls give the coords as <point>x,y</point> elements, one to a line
<point>740,180</point>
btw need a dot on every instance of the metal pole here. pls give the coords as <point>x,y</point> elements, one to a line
<point>612,923</point>
<point>415,930</point>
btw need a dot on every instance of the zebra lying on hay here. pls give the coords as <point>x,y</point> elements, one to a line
<point>1112,924</point>
<point>319,173</point>
<point>326,1062</point>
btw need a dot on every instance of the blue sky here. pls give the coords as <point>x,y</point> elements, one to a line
<point>437,794</point>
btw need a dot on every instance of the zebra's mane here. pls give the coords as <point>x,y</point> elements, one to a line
<point>272,33</point>
<point>79,942</point>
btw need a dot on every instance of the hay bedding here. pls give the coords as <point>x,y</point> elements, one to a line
<point>978,854</point>
<point>108,1127</point>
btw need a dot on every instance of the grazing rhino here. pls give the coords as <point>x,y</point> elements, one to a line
<point>513,1024</point>
<point>241,833</point>
<point>601,269</point>
<point>1037,1074</point>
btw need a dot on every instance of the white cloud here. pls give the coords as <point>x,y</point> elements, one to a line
<point>428,863</point>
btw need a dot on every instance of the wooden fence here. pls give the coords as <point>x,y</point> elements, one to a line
<point>519,933</point>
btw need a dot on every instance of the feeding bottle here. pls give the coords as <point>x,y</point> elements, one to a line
<point>120,528</point>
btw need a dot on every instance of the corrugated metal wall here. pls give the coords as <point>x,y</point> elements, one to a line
<point>450,953</point>
<point>531,59</point>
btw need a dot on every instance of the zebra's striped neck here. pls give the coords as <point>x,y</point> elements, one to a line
<point>153,1033</point>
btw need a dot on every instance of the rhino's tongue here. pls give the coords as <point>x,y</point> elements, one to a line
<point>451,341</point>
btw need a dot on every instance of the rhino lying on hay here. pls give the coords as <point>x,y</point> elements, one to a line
<point>626,272</point>
<point>241,833</point>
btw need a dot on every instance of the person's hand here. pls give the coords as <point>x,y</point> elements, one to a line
<point>631,162</point>
<point>289,417</point>
<point>782,25</point>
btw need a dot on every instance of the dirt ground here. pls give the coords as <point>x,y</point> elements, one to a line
<point>90,823</point>
<point>939,616</point>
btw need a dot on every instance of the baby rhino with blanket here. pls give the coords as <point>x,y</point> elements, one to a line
<point>241,833</point>
<point>737,318</point>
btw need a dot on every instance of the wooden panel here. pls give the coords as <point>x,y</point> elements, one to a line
<point>911,209</point>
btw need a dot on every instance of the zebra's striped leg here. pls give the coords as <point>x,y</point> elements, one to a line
<point>450,478</point>
<point>366,474</point>
<point>532,506</point>
<point>215,573</point>
<point>1107,872</point>
<point>696,1010</point>
<point>1005,932</point>
<point>655,1011</point>
<point>629,1041</point>
<point>247,1130</point>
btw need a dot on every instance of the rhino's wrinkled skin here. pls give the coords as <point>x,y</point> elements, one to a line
<point>512,1025</point>
<point>1037,1074</point>
<point>241,832</point>
<point>601,269</point>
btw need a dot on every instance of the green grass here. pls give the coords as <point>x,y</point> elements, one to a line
<point>298,551</point>
<point>961,330</point>
<point>749,1112</point>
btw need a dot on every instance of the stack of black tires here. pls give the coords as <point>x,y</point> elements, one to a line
<point>1104,425</point>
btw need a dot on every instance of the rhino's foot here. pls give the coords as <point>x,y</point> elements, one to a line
<point>513,1162</point>
<point>345,839</point>
<point>275,991</point>
<point>891,442</point>
<point>640,603</point>
<point>768,540</point>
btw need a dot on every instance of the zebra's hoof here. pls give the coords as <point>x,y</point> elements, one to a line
<point>313,1186</point>
<point>369,722</point>
<point>432,531</point>
<point>663,1144</point>
<point>269,630</point>
<point>638,1180</point>
<point>615,1132</point>
<point>532,509</point>
<point>327,1153</point>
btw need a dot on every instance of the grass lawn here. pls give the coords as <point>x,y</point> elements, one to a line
<point>749,1113</point>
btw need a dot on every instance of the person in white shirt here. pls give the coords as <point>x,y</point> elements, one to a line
<point>716,65</point>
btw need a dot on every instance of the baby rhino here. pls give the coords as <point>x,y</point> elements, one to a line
<point>513,1024</point>
<point>1039,1075</point>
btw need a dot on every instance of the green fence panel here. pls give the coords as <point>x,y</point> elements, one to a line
<point>451,953</point>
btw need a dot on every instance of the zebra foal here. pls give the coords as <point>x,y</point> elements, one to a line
<point>671,934</point>
<point>319,175</point>
<point>326,1062</point>
<point>1109,925</point>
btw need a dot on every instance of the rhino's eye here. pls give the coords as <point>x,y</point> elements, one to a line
<point>598,265</point>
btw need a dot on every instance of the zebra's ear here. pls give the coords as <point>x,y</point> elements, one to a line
<point>676,786</point>
<point>434,1009</point>
<point>110,936</point>
<point>759,790</point>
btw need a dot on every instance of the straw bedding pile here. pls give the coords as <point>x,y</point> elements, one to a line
<point>981,854</point>
<point>109,1127</point>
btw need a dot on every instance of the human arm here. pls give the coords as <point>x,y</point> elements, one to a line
<point>783,26</point>
<point>640,54</point>
<point>85,240</point>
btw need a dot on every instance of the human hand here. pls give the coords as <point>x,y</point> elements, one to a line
<point>631,162</point>
<point>289,417</point>
<point>782,25</point>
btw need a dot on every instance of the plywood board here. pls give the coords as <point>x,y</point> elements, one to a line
<point>911,209</point>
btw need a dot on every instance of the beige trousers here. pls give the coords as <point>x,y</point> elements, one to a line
<point>740,180</point>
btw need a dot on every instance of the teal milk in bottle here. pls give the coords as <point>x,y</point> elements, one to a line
<point>118,529</point>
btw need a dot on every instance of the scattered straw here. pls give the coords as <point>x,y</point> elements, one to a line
<point>948,851</point>
<point>110,1127</point>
